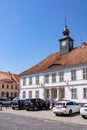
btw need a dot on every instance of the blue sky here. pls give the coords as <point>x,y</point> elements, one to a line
<point>30,30</point>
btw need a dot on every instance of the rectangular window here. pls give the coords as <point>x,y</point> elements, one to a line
<point>55,93</point>
<point>61,76</point>
<point>24,94</point>
<point>2,85</point>
<point>73,75</point>
<point>53,77</point>
<point>84,73</point>
<point>7,86</point>
<point>85,93</point>
<point>24,81</point>
<point>74,93</point>
<point>46,78</point>
<point>11,86</point>
<point>30,94</point>
<point>30,80</point>
<point>37,94</point>
<point>37,79</point>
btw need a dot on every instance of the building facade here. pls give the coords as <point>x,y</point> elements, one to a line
<point>61,75</point>
<point>9,85</point>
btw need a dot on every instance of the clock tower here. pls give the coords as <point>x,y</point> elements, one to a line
<point>66,42</point>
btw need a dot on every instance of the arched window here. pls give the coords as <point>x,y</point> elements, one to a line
<point>7,94</point>
<point>2,94</point>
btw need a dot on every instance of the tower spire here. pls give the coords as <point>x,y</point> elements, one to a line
<point>66,30</point>
<point>65,22</point>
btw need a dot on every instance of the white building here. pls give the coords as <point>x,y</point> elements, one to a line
<point>61,75</point>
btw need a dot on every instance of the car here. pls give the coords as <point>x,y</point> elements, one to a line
<point>18,104</point>
<point>35,104</point>
<point>5,102</point>
<point>83,110</point>
<point>65,107</point>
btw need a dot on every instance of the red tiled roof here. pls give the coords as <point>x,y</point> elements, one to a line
<point>7,77</point>
<point>76,56</point>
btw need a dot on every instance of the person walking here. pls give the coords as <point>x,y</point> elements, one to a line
<point>48,103</point>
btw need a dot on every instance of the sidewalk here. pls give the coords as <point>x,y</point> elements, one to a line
<point>47,115</point>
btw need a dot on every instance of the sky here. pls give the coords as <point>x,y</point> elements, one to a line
<point>30,30</point>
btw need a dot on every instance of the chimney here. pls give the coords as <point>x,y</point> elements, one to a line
<point>9,73</point>
<point>83,44</point>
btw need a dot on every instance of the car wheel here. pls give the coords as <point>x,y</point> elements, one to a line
<point>0,106</point>
<point>13,108</point>
<point>27,109</point>
<point>56,114</point>
<point>83,116</point>
<point>70,112</point>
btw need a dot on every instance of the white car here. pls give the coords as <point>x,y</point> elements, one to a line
<point>83,110</point>
<point>66,107</point>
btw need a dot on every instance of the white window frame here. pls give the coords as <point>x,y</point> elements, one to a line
<point>85,93</point>
<point>53,77</point>
<point>37,93</point>
<point>74,93</point>
<point>61,76</point>
<point>24,94</point>
<point>30,94</point>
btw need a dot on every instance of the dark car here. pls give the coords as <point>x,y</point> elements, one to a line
<point>5,102</point>
<point>35,104</point>
<point>18,104</point>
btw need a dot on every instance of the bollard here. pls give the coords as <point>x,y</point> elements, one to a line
<point>0,107</point>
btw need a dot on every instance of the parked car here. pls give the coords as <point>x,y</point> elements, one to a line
<point>35,104</point>
<point>83,110</point>
<point>5,102</point>
<point>18,104</point>
<point>66,107</point>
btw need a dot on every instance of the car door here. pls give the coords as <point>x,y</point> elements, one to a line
<point>71,106</point>
<point>77,107</point>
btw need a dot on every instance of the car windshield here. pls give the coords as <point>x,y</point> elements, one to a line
<point>28,101</point>
<point>15,101</point>
<point>85,105</point>
<point>59,104</point>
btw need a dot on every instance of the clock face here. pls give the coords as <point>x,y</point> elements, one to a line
<point>63,43</point>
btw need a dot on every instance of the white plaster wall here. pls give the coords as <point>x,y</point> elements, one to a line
<point>79,83</point>
<point>41,92</point>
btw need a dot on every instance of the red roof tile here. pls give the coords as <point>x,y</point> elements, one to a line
<point>7,76</point>
<point>76,56</point>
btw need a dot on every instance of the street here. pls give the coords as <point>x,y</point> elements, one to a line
<point>19,122</point>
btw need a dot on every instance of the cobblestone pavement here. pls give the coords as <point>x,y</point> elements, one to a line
<point>10,121</point>
<point>47,115</point>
